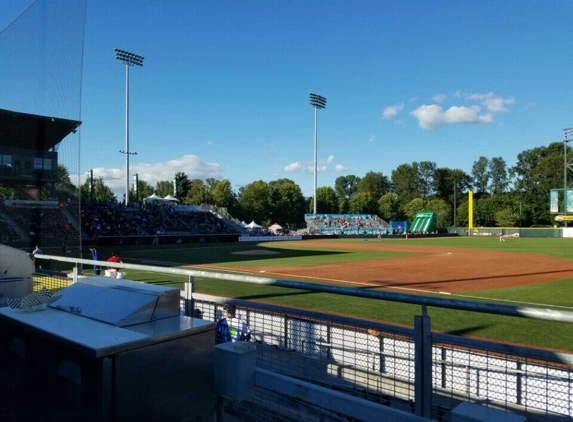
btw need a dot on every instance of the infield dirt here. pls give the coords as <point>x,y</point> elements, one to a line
<point>431,269</point>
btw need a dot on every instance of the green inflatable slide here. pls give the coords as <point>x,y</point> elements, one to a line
<point>425,222</point>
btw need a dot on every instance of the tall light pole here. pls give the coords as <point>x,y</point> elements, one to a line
<point>129,59</point>
<point>317,101</point>
<point>566,133</point>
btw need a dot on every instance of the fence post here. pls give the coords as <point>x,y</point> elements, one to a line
<point>189,290</point>
<point>423,365</point>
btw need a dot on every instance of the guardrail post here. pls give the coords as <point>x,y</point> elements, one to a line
<point>189,302</point>
<point>423,365</point>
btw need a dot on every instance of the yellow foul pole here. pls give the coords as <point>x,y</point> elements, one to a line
<point>470,209</point>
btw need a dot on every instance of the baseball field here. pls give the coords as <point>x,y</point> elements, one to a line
<point>532,272</point>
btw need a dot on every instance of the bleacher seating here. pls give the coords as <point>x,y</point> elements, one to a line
<point>161,219</point>
<point>347,224</point>
<point>44,222</point>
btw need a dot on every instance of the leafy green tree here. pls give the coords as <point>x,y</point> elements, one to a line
<point>288,203</point>
<point>224,197</point>
<point>462,214</point>
<point>198,193</point>
<point>506,217</point>
<point>486,207</point>
<point>407,183</point>
<point>363,203</point>
<point>443,211</point>
<point>101,192</point>
<point>427,172</point>
<point>182,185</point>
<point>444,181</point>
<point>376,184</point>
<point>498,175</point>
<point>211,183</point>
<point>62,189</point>
<point>143,191</point>
<point>481,175</point>
<point>536,172</point>
<point>255,202</point>
<point>388,208</point>
<point>346,187</point>
<point>326,201</point>
<point>64,183</point>
<point>164,188</point>
<point>9,193</point>
<point>414,207</point>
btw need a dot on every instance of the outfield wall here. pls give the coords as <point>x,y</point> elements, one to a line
<point>520,232</point>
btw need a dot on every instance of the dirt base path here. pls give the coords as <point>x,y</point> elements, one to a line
<point>431,269</point>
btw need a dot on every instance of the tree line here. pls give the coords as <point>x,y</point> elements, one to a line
<point>503,196</point>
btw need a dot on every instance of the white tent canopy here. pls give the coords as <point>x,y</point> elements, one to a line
<point>275,227</point>
<point>253,225</point>
<point>171,198</point>
<point>153,198</point>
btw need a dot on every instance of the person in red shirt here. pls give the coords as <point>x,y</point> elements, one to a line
<point>113,258</point>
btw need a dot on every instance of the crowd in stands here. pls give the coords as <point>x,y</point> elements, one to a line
<point>347,223</point>
<point>53,223</point>
<point>155,219</point>
<point>44,223</point>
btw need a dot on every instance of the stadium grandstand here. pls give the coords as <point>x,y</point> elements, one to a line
<point>347,224</point>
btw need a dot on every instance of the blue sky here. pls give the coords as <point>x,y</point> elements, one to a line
<point>224,88</point>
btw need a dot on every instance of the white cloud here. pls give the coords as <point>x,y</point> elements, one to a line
<point>456,115</point>
<point>319,169</point>
<point>492,102</point>
<point>433,116</point>
<point>330,159</point>
<point>340,167</point>
<point>191,165</point>
<point>429,116</point>
<point>392,111</point>
<point>371,138</point>
<point>294,167</point>
<point>209,143</point>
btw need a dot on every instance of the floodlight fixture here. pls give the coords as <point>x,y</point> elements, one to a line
<point>129,59</point>
<point>317,101</point>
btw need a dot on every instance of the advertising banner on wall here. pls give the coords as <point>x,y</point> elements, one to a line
<point>569,201</point>
<point>554,201</point>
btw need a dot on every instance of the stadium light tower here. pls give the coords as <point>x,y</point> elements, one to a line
<point>566,133</point>
<point>317,101</point>
<point>129,59</point>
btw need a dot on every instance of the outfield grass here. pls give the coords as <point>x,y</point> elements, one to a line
<point>556,295</point>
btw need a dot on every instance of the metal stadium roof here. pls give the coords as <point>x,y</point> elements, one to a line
<point>31,131</point>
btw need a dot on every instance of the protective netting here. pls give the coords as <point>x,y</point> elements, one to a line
<point>45,46</point>
<point>41,74</point>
